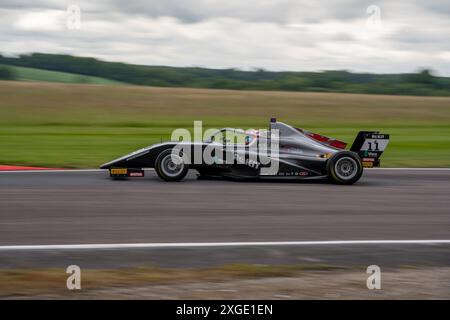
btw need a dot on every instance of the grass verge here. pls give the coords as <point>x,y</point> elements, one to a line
<point>27,282</point>
<point>79,126</point>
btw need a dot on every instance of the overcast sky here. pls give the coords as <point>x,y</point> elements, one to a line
<point>358,35</point>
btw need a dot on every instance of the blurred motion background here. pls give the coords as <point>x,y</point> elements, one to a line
<point>81,83</point>
<point>78,117</point>
<point>84,82</point>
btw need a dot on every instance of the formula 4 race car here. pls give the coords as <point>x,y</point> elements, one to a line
<point>282,151</point>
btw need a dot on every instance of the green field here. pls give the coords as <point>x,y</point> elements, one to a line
<point>76,125</point>
<point>32,74</point>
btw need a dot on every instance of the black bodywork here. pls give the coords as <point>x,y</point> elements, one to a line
<point>301,155</point>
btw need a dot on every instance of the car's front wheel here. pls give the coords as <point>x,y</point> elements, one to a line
<point>170,166</point>
<point>344,167</point>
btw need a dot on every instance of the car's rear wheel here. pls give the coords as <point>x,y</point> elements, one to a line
<point>170,167</point>
<point>344,167</point>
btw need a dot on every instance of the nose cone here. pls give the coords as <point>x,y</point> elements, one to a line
<point>105,166</point>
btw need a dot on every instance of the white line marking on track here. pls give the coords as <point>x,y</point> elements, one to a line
<point>213,244</point>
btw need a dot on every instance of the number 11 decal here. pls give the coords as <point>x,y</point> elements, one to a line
<point>376,146</point>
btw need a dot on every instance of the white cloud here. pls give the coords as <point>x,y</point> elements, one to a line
<point>275,35</point>
<point>37,21</point>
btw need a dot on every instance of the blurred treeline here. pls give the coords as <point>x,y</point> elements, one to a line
<point>422,83</point>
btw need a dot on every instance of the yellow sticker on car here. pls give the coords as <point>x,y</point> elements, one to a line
<point>119,171</point>
<point>367,164</point>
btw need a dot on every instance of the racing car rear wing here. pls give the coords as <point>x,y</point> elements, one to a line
<point>370,145</point>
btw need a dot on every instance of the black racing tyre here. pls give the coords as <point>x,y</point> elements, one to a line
<point>169,170</point>
<point>344,167</point>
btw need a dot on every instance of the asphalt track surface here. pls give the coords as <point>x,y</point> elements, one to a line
<point>87,207</point>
